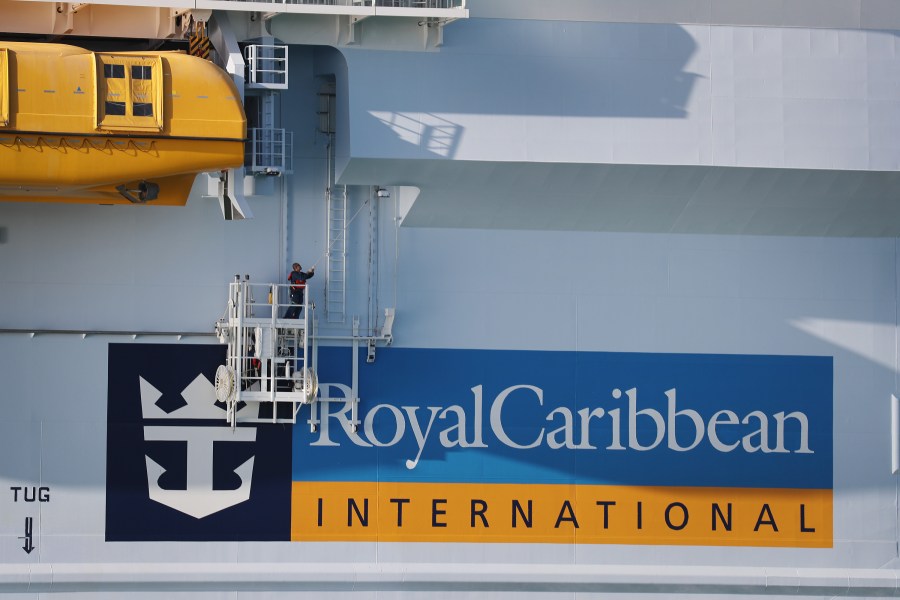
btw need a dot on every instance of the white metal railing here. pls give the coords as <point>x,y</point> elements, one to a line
<point>263,300</point>
<point>267,66</point>
<point>420,7</point>
<point>424,4</point>
<point>159,20</point>
<point>336,282</point>
<point>269,151</point>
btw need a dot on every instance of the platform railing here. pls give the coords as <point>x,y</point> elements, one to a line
<point>169,19</point>
<point>267,352</point>
<point>423,4</point>
<point>269,151</point>
<point>267,66</point>
<point>261,299</point>
<point>334,6</point>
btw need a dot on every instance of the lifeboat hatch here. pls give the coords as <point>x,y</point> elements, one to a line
<point>130,93</point>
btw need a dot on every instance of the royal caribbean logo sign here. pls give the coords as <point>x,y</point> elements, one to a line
<point>480,446</point>
<point>175,470</point>
<point>570,447</point>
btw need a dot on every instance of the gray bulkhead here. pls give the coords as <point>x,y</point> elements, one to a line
<point>555,186</point>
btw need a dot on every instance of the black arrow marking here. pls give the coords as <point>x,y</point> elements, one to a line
<point>29,536</point>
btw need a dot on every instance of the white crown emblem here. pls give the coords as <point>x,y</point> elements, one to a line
<point>200,396</point>
<point>198,499</point>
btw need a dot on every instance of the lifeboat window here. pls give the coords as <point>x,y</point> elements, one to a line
<point>143,109</point>
<point>114,71</point>
<point>142,90</point>
<point>115,108</point>
<point>130,92</point>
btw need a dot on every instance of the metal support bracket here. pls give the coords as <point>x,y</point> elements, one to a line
<point>230,192</point>
<point>352,21</point>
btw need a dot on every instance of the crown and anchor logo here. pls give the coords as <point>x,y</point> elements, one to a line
<point>198,499</point>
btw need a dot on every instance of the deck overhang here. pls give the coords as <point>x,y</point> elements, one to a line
<point>641,198</point>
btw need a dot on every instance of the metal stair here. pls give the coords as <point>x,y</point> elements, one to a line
<point>336,284</point>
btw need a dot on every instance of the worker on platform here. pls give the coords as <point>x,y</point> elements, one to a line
<point>297,278</point>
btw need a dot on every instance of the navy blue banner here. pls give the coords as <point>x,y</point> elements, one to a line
<point>175,470</point>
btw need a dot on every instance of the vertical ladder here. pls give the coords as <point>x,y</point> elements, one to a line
<point>373,263</point>
<point>292,359</point>
<point>269,154</point>
<point>336,207</point>
<point>335,285</point>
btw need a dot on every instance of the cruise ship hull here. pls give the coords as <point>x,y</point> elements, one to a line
<point>600,306</point>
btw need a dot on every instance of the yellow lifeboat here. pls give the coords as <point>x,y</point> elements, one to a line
<point>112,128</point>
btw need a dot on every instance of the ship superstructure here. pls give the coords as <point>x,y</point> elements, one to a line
<point>604,301</point>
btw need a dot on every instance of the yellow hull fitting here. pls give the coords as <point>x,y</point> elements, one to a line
<point>40,167</point>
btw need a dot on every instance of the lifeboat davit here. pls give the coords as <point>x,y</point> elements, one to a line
<point>113,128</point>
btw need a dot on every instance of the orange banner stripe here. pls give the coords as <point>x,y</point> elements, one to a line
<point>561,514</point>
